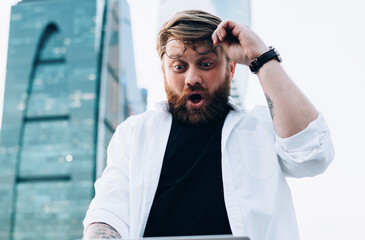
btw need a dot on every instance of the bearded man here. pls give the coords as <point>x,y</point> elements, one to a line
<point>199,165</point>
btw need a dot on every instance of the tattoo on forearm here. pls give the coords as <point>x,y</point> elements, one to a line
<point>270,104</point>
<point>101,231</point>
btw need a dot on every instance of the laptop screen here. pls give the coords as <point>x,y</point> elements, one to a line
<point>201,237</point>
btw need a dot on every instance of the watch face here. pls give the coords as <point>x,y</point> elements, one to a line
<point>278,57</point>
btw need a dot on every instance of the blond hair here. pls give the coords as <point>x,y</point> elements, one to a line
<point>190,25</point>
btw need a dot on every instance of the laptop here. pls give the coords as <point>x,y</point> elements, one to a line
<point>201,237</point>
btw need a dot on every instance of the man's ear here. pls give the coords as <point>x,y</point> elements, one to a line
<point>163,66</point>
<point>232,68</point>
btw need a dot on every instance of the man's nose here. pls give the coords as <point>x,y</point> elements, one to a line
<point>193,77</point>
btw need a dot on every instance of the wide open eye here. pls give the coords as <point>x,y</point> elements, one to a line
<point>178,67</point>
<point>207,64</point>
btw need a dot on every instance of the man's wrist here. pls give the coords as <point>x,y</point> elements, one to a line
<point>258,62</point>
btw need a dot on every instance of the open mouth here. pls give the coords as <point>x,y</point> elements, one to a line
<point>195,99</point>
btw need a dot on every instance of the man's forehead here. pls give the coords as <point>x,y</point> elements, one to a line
<point>218,49</point>
<point>191,40</point>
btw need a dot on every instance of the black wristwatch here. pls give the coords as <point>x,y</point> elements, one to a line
<point>258,62</point>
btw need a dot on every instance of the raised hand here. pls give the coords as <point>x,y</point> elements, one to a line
<point>239,42</point>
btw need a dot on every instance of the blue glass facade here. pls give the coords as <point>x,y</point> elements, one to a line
<point>63,100</point>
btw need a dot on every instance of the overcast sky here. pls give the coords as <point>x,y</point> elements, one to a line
<point>322,46</point>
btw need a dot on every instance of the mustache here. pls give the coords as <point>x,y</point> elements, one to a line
<point>194,88</point>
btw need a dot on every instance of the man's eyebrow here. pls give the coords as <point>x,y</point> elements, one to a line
<point>213,57</point>
<point>217,49</point>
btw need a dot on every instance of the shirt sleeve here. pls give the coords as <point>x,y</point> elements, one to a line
<point>111,202</point>
<point>308,152</point>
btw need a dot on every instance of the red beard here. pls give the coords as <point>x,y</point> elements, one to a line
<point>214,109</point>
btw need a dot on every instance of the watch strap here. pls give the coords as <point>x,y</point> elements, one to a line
<point>258,62</point>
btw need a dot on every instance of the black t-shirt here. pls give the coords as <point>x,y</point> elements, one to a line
<point>189,198</point>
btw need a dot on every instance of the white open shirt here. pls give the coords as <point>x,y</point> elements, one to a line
<point>255,162</point>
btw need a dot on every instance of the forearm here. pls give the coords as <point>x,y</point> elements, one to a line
<point>290,109</point>
<point>100,231</point>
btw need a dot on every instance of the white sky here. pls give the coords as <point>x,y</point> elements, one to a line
<point>322,46</point>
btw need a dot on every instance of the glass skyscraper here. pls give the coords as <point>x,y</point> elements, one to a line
<point>237,10</point>
<point>70,80</point>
